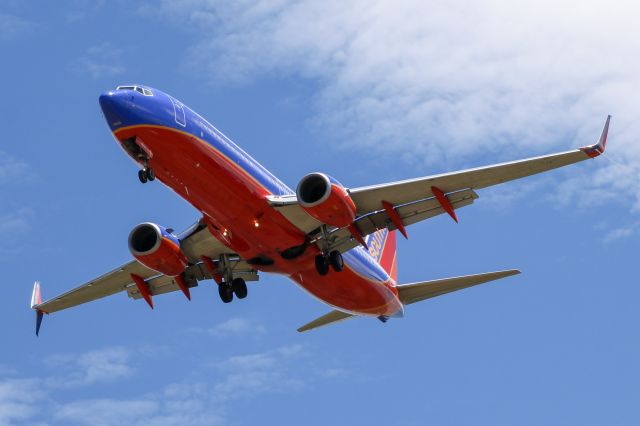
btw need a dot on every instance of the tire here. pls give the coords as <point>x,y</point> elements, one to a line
<point>239,288</point>
<point>335,260</point>
<point>322,265</point>
<point>226,292</point>
<point>151,175</point>
<point>142,175</point>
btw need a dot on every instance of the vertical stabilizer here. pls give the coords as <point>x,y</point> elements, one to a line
<point>382,246</point>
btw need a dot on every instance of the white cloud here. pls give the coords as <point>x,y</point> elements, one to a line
<point>236,327</point>
<point>205,401</point>
<point>255,373</point>
<point>104,412</point>
<point>13,169</point>
<point>17,400</point>
<point>12,26</point>
<point>430,82</point>
<point>100,366</point>
<point>101,61</point>
<point>81,9</point>
<point>16,221</point>
<point>621,233</point>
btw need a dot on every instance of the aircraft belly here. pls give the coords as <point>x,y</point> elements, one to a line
<point>220,189</point>
<point>235,204</point>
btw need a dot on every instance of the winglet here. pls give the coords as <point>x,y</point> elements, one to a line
<point>594,150</point>
<point>36,296</point>
<point>36,299</point>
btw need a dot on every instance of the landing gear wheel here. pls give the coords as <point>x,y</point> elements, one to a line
<point>322,264</point>
<point>142,175</point>
<point>226,292</point>
<point>335,260</point>
<point>239,288</point>
<point>151,175</point>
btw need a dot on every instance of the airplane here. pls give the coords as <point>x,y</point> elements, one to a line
<point>337,243</point>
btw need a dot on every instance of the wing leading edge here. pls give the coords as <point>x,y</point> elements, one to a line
<point>418,199</point>
<point>196,242</point>
<point>370,198</point>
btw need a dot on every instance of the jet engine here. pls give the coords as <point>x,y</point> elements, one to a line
<point>158,249</point>
<point>325,199</point>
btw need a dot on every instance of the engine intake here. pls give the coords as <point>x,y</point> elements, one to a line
<point>326,200</point>
<point>158,249</point>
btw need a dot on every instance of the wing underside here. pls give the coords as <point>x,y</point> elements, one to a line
<point>198,242</point>
<point>418,199</point>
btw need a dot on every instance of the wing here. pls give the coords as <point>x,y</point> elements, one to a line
<point>398,204</point>
<point>197,241</point>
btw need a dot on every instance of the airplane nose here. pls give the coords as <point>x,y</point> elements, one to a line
<point>111,105</point>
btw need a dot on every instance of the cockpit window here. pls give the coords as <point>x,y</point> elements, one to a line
<point>142,90</point>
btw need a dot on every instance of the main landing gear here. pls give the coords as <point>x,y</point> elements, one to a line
<point>230,285</point>
<point>333,259</point>
<point>226,290</point>
<point>146,174</point>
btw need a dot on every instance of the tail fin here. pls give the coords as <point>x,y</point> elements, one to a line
<point>382,247</point>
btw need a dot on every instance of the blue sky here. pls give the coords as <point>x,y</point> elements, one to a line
<point>367,92</point>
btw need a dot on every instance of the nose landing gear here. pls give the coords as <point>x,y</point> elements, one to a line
<point>146,174</point>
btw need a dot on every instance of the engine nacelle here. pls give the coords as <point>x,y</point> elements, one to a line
<point>325,199</point>
<point>157,249</point>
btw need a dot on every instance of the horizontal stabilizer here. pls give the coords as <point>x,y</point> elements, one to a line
<point>412,293</point>
<point>330,318</point>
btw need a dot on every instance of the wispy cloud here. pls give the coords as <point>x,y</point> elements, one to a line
<point>106,412</point>
<point>81,9</point>
<point>101,61</point>
<point>207,401</point>
<point>12,26</point>
<point>260,372</point>
<point>100,366</point>
<point>443,81</point>
<point>13,169</point>
<point>17,399</point>
<point>621,233</point>
<point>17,221</point>
<point>235,327</point>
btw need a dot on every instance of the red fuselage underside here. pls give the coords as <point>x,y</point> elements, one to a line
<point>232,201</point>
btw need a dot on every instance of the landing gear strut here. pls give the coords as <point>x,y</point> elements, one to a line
<point>333,259</point>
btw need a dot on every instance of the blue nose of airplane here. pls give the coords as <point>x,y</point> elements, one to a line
<point>113,105</point>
